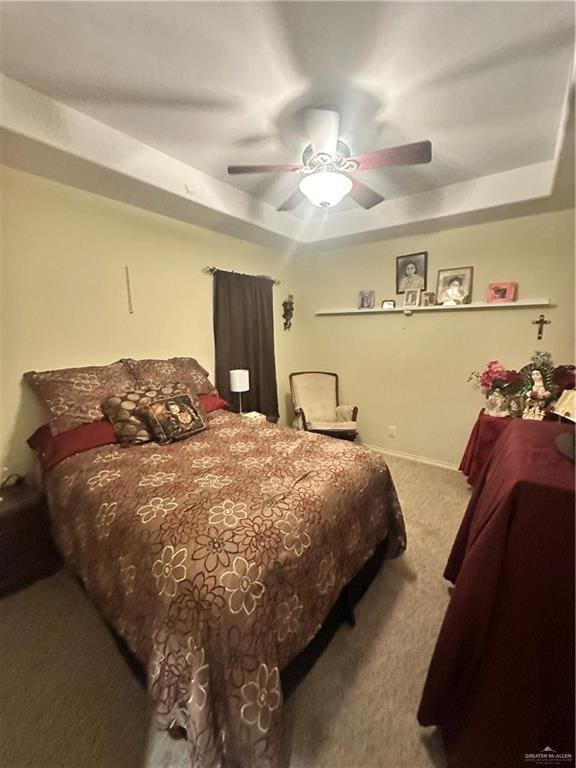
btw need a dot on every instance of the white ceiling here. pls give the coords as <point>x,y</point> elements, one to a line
<point>210,84</point>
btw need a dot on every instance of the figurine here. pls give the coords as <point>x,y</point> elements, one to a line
<point>533,411</point>
<point>539,391</point>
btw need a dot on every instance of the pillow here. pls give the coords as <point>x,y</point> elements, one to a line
<point>210,403</point>
<point>73,395</point>
<point>173,418</point>
<point>124,411</point>
<point>52,449</point>
<point>184,369</point>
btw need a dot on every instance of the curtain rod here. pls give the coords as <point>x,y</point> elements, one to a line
<point>213,270</point>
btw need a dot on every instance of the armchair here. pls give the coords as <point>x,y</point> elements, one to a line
<point>316,403</point>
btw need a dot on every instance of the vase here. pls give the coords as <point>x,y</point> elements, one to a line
<point>496,404</point>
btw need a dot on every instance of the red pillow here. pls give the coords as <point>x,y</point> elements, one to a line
<point>211,403</point>
<point>52,449</point>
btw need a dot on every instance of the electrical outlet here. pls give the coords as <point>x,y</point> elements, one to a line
<point>391,431</point>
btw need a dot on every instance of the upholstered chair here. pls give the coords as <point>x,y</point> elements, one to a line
<point>317,406</point>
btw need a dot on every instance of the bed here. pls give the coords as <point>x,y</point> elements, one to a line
<point>217,559</point>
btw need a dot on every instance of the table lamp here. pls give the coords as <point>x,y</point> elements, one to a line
<point>239,382</point>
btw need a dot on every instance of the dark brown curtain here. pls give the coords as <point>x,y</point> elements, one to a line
<point>244,338</point>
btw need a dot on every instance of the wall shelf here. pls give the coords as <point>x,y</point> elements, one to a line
<point>520,304</point>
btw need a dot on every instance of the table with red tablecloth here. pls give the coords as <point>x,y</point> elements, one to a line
<point>501,681</point>
<point>481,442</point>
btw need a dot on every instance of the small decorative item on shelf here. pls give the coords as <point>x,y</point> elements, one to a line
<point>288,312</point>
<point>411,297</point>
<point>501,293</point>
<point>366,300</point>
<point>388,304</point>
<point>528,392</point>
<point>427,298</point>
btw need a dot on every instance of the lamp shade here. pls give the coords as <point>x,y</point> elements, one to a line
<point>325,188</point>
<point>239,380</point>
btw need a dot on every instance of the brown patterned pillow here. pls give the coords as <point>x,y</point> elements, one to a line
<point>183,369</point>
<point>124,411</point>
<point>73,395</point>
<point>173,418</point>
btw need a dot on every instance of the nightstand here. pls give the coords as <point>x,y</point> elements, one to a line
<point>27,552</point>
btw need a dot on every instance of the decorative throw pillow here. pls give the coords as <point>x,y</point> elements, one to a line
<point>52,449</point>
<point>73,395</point>
<point>210,403</point>
<point>173,418</point>
<point>183,369</point>
<point>124,411</point>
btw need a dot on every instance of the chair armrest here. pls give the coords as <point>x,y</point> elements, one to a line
<point>300,420</point>
<point>346,412</point>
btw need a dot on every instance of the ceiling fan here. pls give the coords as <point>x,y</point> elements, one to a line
<point>327,165</point>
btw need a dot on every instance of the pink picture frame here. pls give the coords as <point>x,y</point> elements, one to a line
<point>501,293</point>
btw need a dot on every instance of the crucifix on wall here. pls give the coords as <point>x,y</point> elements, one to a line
<point>541,322</point>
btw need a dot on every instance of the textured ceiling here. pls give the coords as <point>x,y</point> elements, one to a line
<point>216,83</point>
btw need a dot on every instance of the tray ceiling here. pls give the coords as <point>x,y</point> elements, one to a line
<point>211,84</point>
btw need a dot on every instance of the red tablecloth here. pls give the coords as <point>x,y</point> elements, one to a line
<point>501,681</point>
<point>481,443</point>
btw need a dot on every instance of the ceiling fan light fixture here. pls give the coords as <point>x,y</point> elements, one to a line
<point>325,189</point>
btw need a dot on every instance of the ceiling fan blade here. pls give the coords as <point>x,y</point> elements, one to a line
<point>322,126</point>
<point>232,169</point>
<point>295,199</point>
<point>363,194</point>
<point>406,154</point>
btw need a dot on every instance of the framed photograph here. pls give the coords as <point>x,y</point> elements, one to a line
<point>427,299</point>
<point>454,286</point>
<point>388,304</point>
<point>516,405</point>
<point>501,293</point>
<point>411,271</point>
<point>366,300</point>
<point>411,297</point>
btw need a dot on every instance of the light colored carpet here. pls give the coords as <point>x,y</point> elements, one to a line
<point>68,699</point>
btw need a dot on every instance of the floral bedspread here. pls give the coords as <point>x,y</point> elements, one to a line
<point>217,559</point>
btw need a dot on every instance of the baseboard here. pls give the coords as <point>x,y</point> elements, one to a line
<point>411,457</point>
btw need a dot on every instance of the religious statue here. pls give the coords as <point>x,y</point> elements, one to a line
<point>539,391</point>
<point>288,312</point>
<point>533,411</point>
<point>537,381</point>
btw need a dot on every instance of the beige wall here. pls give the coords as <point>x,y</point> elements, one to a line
<point>411,372</point>
<point>64,303</point>
<point>64,296</point>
